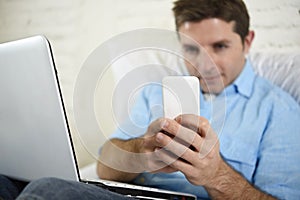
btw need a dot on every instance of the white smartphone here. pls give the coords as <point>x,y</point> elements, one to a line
<point>181,95</point>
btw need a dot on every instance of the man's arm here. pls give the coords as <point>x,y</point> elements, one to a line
<point>116,157</point>
<point>200,161</point>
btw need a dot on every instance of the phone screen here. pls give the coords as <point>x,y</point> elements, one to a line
<point>181,95</point>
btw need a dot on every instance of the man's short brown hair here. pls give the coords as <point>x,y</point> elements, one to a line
<point>227,10</point>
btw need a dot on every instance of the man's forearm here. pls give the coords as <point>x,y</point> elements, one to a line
<point>118,160</point>
<point>231,185</point>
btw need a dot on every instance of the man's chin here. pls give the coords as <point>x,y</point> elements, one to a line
<point>211,90</point>
<point>212,87</point>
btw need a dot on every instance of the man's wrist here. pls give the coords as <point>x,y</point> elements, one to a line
<point>227,182</point>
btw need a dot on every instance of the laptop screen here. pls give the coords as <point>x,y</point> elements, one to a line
<point>34,134</point>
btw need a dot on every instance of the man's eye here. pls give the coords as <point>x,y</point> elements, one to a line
<point>191,49</point>
<point>220,46</point>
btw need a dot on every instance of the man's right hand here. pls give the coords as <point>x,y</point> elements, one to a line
<point>152,162</point>
<point>123,160</point>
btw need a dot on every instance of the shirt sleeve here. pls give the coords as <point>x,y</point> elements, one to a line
<point>278,166</point>
<point>135,125</point>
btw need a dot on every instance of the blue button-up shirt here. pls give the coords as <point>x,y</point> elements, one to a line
<point>258,126</point>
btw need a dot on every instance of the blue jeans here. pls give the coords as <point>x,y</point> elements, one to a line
<point>10,188</point>
<point>53,188</point>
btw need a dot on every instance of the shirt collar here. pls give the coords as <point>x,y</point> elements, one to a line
<point>244,82</point>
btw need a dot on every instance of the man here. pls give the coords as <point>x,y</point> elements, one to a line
<point>260,127</point>
<point>255,157</point>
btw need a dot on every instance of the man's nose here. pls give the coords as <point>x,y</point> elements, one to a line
<point>205,63</point>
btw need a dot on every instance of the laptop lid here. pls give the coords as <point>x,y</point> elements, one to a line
<point>33,125</point>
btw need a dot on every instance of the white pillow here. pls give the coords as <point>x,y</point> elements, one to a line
<point>282,69</point>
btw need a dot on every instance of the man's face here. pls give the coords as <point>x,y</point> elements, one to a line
<point>215,53</point>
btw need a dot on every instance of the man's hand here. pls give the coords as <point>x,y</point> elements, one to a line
<point>123,160</point>
<point>152,161</point>
<point>191,139</point>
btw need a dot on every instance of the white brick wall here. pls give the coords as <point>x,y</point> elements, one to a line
<point>76,27</point>
<point>277,25</point>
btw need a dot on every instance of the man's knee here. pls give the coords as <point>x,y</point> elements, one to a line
<point>44,188</point>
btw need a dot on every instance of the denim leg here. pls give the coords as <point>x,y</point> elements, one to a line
<point>9,188</point>
<point>53,188</point>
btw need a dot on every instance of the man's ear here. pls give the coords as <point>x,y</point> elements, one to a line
<point>248,41</point>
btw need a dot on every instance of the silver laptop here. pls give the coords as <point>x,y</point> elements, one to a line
<point>35,139</point>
